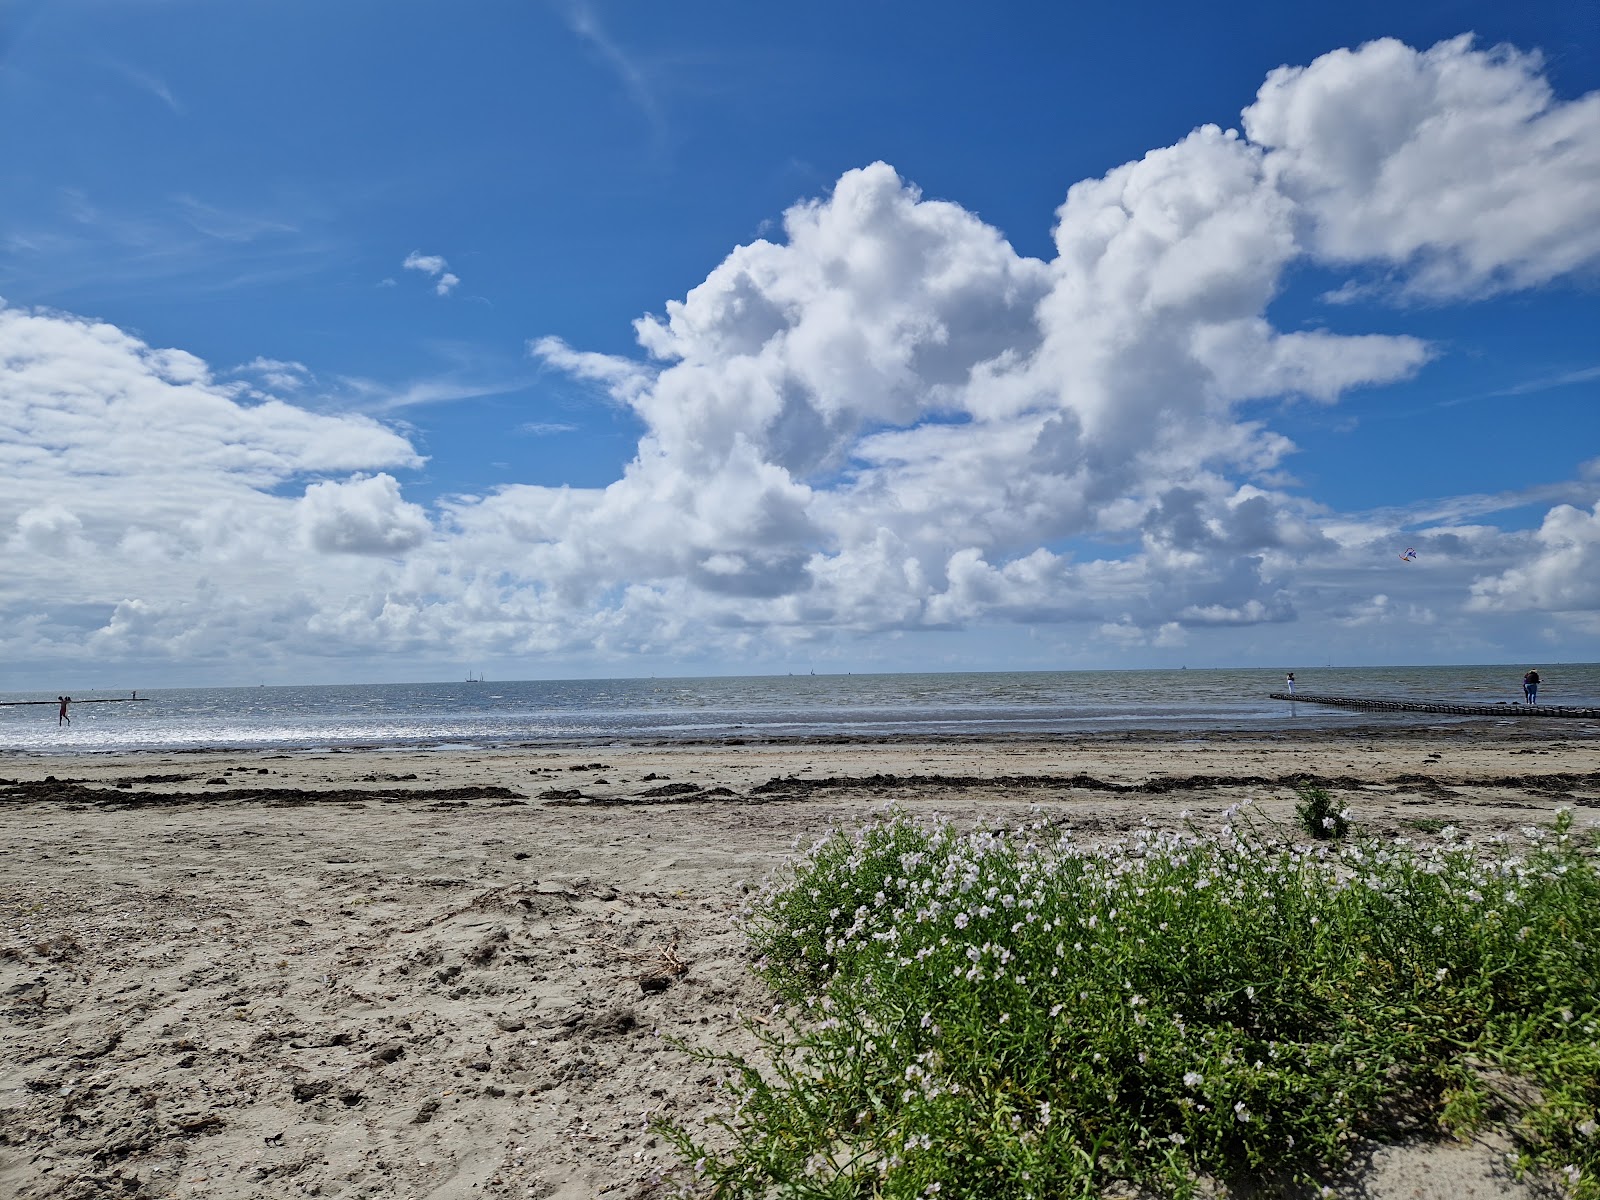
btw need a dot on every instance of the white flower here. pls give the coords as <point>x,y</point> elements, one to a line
<point>1193,1079</point>
<point>1241,1112</point>
<point>1177,1139</point>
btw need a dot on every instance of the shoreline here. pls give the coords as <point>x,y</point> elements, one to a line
<point>395,972</point>
<point>1499,727</point>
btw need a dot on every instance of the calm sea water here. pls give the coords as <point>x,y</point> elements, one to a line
<point>587,712</point>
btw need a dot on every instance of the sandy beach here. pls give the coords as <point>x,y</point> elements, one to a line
<point>384,973</point>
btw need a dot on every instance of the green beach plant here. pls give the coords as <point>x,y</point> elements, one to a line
<point>1317,813</point>
<point>1004,1014</point>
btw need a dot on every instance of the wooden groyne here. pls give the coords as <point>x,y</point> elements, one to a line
<point>1424,706</point>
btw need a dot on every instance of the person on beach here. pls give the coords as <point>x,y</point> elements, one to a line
<point>61,717</point>
<point>1530,686</point>
<point>1290,682</point>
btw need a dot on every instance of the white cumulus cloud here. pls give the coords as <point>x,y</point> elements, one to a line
<point>142,498</point>
<point>1455,165</point>
<point>363,515</point>
<point>1562,573</point>
<point>444,280</point>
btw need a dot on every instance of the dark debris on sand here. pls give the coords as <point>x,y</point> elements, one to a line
<point>789,786</point>
<point>72,791</point>
<point>1568,785</point>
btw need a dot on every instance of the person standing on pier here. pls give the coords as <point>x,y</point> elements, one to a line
<point>1530,686</point>
<point>1290,683</point>
<point>61,717</point>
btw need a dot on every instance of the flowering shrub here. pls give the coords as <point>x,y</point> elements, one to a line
<point>1011,1014</point>
<point>1317,814</point>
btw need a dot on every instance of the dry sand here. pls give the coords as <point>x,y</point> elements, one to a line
<point>424,974</point>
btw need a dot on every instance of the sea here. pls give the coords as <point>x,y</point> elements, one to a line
<point>762,708</point>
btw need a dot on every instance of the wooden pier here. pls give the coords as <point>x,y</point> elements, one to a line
<point>1458,710</point>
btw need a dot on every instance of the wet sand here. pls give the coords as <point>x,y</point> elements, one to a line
<point>385,973</point>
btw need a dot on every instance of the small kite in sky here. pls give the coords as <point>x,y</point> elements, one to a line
<point>1409,556</point>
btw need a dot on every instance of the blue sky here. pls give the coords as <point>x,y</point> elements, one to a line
<point>360,341</point>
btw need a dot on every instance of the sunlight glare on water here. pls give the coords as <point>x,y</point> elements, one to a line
<point>576,712</point>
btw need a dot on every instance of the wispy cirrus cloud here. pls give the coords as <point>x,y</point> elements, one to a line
<point>145,81</point>
<point>230,225</point>
<point>584,21</point>
<point>88,242</point>
<point>371,396</point>
<point>1473,506</point>
<point>1549,383</point>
